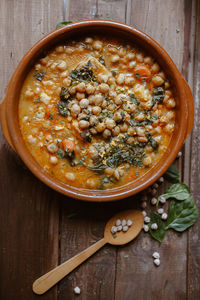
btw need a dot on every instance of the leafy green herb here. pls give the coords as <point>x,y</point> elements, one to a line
<point>178,191</point>
<point>172,174</point>
<point>97,169</point>
<point>39,76</point>
<point>137,75</point>
<point>160,232</point>
<point>158,95</point>
<point>62,24</point>
<point>50,117</point>
<point>182,214</point>
<point>63,108</point>
<point>64,95</point>
<point>84,74</point>
<point>134,99</point>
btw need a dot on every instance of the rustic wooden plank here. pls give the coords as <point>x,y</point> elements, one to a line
<point>194,177</point>
<point>96,277</point>
<point>136,273</point>
<point>29,214</point>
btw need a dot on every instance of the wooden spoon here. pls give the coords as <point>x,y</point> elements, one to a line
<point>45,282</point>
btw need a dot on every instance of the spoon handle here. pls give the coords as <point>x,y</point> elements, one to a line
<point>45,282</point>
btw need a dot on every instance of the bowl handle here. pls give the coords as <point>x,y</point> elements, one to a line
<point>190,105</point>
<point>3,122</point>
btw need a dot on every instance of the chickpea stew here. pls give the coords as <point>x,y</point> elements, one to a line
<point>96,113</point>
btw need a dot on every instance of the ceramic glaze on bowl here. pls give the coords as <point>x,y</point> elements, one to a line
<point>180,89</point>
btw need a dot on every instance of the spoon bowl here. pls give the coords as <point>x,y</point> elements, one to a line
<point>121,238</point>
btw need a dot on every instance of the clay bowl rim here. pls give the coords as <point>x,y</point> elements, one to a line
<point>87,194</point>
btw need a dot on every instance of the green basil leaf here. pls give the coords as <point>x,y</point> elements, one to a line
<point>178,191</point>
<point>160,232</point>
<point>182,214</point>
<point>172,174</point>
<point>62,24</point>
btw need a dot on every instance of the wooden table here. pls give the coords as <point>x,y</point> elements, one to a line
<point>41,228</point>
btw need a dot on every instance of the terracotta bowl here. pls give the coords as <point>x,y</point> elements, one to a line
<point>182,92</point>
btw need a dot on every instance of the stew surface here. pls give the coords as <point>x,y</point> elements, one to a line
<point>96,113</point>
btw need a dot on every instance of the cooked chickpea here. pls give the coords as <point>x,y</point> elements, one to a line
<point>91,183</point>
<point>111,80</point>
<point>75,109</point>
<point>157,130</point>
<point>84,103</point>
<point>116,131</point>
<point>110,123</point>
<point>106,133</point>
<point>157,80</point>
<point>130,56</point>
<point>93,120</point>
<point>140,117</point>
<point>69,50</point>
<point>148,60</point>
<point>81,87</point>
<point>66,82</point>
<point>29,93</point>
<point>122,52</point>
<point>147,161</point>
<point>88,40</point>
<point>167,85</point>
<point>102,77</point>
<point>116,174</point>
<point>158,139</point>
<point>142,139</point>
<point>96,110</point>
<point>31,139</point>
<point>72,90</point>
<point>130,140</point>
<point>132,64</point>
<point>104,88</point>
<point>170,115</point>
<point>139,57</point>
<point>52,148</point>
<point>83,124</point>
<point>117,116</point>
<point>70,176</point>
<point>93,131</point>
<point>123,127</point>
<point>118,100</point>
<point>98,99</point>
<point>100,127</point>
<point>120,79</point>
<point>131,131</point>
<point>140,131</point>
<point>97,45</point>
<point>129,80</point>
<point>104,104</point>
<point>80,96</point>
<point>148,149</point>
<point>90,89</point>
<point>109,171</point>
<point>62,65</point>
<point>91,99</point>
<point>111,107</point>
<point>60,49</point>
<point>170,103</point>
<point>53,160</point>
<point>155,68</point>
<point>114,58</point>
<point>169,128</point>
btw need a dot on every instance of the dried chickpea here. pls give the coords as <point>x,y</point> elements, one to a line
<point>100,127</point>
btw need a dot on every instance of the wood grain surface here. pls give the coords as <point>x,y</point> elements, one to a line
<point>40,228</point>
